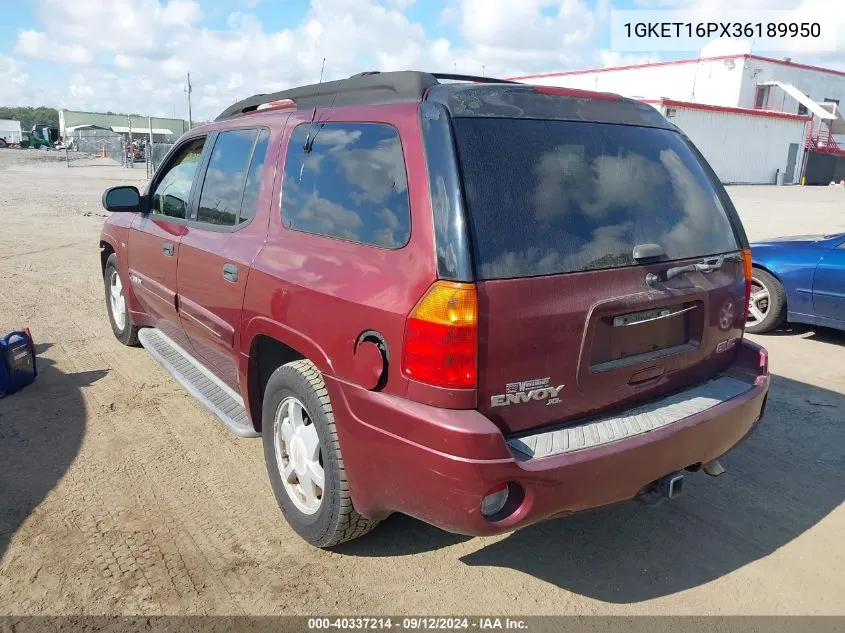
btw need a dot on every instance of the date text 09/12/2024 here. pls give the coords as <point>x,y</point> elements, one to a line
<point>417,623</point>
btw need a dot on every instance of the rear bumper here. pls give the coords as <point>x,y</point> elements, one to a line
<point>437,464</point>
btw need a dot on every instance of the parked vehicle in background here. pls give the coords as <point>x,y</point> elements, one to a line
<point>10,132</point>
<point>798,280</point>
<point>29,139</point>
<point>479,303</point>
<point>46,133</point>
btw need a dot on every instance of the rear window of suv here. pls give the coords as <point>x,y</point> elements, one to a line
<point>550,197</point>
<point>351,184</point>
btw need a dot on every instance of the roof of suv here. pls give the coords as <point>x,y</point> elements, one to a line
<point>470,96</point>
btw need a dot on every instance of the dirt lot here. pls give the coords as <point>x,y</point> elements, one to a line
<point>120,495</point>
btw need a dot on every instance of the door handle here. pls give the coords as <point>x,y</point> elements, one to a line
<point>167,248</point>
<point>230,272</point>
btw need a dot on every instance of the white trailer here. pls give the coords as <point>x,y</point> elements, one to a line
<point>10,132</point>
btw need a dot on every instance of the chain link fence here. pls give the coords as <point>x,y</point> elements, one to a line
<point>155,154</point>
<point>95,149</point>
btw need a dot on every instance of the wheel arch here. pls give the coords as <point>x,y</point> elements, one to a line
<point>767,269</point>
<point>770,270</point>
<point>107,249</point>
<point>268,346</point>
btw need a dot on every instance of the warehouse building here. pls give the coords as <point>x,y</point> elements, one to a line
<point>163,130</point>
<point>756,119</point>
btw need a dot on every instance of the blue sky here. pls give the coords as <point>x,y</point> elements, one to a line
<point>134,54</point>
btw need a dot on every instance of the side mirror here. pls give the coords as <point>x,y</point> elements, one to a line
<point>122,199</point>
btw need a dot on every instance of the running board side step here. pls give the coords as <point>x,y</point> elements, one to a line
<point>212,393</point>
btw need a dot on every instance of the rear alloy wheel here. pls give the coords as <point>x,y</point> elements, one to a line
<point>298,455</point>
<point>302,453</point>
<point>767,306</point>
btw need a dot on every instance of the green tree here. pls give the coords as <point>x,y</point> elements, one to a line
<point>29,116</point>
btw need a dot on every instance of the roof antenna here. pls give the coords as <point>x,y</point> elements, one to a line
<point>309,142</point>
<point>321,126</point>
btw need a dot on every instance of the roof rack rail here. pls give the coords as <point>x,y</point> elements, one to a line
<point>364,88</point>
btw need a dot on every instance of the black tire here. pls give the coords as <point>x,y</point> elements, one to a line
<point>775,315</point>
<point>336,521</point>
<point>3,143</point>
<point>128,334</point>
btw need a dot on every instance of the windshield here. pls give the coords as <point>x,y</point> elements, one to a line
<point>549,197</point>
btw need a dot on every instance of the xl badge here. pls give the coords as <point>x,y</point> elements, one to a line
<point>526,391</point>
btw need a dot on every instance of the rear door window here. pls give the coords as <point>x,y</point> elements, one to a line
<point>252,188</point>
<point>223,187</point>
<point>549,197</point>
<point>351,185</point>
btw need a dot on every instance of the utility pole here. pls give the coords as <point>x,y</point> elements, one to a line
<point>148,152</point>
<point>482,69</point>
<point>188,90</point>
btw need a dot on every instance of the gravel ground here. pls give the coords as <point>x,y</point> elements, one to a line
<point>120,495</point>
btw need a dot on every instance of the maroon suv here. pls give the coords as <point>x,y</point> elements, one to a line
<point>477,302</point>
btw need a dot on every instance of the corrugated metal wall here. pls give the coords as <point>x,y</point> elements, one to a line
<point>741,148</point>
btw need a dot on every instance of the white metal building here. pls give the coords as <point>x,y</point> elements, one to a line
<point>724,80</point>
<point>764,112</point>
<point>724,136</point>
<point>10,131</point>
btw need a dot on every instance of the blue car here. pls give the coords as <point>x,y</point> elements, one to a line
<point>797,279</point>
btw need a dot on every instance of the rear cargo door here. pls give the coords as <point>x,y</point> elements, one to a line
<point>609,271</point>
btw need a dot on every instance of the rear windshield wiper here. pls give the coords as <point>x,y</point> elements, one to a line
<point>704,266</point>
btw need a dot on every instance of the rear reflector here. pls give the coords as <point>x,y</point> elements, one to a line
<point>441,337</point>
<point>747,270</point>
<point>764,360</point>
<point>494,500</point>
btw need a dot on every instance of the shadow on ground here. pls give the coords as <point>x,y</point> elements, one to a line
<point>782,481</point>
<point>41,430</point>
<point>820,334</point>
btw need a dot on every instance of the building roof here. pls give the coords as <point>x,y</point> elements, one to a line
<point>678,62</point>
<point>73,119</point>
<point>125,129</point>
<point>714,108</point>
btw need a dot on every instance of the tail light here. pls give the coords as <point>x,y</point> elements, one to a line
<point>441,337</point>
<point>746,263</point>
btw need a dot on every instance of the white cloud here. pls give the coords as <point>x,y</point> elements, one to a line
<point>39,46</point>
<point>150,46</point>
<point>15,84</point>
<point>159,42</point>
<point>609,59</point>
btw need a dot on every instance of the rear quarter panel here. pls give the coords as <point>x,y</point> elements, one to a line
<point>318,294</point>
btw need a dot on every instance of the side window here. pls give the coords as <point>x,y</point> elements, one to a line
<point>253,178</point>
<point>171,194</point>
<point>352,185</point>
<point>223,186</point>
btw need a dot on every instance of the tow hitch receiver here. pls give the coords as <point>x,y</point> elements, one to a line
<point>669,487</point>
